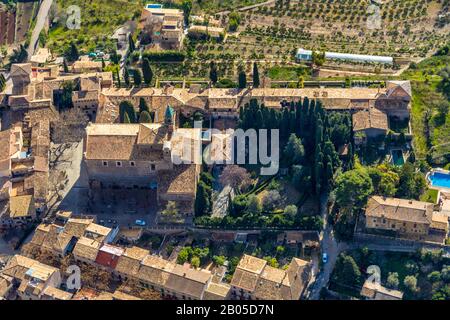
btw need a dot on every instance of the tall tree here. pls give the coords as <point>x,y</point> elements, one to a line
<point>131,45</point>
<point>202,203</point>
<point>147,71</point>
<point>65,67</point>
<point>213,72</point>
<point>118,78</point>
<point>127,109</point>
<point>353,189</point>
<point>187,8</point>
<point>294,150</point>
<point>137,77</point>
<point>143,106</point>
<point>256,81</point>
<point>126,77</point>
<point>242,78</point>
<point>73,54</point>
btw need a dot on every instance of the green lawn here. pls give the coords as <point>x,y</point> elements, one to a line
<point>430,196</point>
<point>284,73</point>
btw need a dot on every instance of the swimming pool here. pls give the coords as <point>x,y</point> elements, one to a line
<point>440,179</point>
<point>397,157</point>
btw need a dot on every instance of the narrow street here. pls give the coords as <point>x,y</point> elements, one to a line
<point>40,22</point>
<point>331,247</point>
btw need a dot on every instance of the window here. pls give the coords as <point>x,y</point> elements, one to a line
<point>393,226</point>
<point>415,225</point>
<point>105,163</point>
<point>132,163</point>
<point>384,220</point>
<point>118,163</point>
<point>152,167</point>
<point>374,220</point>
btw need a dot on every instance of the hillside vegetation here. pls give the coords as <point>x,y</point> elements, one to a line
<point>99,19</point>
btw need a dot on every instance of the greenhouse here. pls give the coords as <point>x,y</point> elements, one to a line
<point>303,54</point>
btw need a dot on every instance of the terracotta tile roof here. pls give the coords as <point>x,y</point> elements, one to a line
<point>152,134</point>
<point>185,280</point>
<point>98,229</point>
<point>56,239</point>
<point>400,209</point>
<point>130,262</point>
<point>21,69</point>
<point>216,291</point>
<point>378,292</point>
<point>85,95</point>
<point>181,179</point>
<point>267,283</point>
<point>40,234</point>
<point>245,280</point>
<point>439,221</point>
<point>56,294</point>
<point>252,264</point>
<point>155,270</point>
<point>22,206</point>
<point>19,267</point>
<point>87,248</point>
<point>371,118</point>
<point>76,227</point>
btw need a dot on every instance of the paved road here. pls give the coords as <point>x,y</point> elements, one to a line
<point>329,245</point>
<point>40,22</point>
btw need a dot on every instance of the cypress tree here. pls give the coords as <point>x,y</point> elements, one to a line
<point>147,71</point>
<point>126,108</point>
<point>202,203</point>
<point>118,78</point>
<point>143,106</point>
<point>213,72</point>
<point>66,68</point>
<point>137,77</point>
<point>256,81</point>
<point>73,52</point>
<point>242,79</point>
<point>131,43</point>
<point>126,77</point>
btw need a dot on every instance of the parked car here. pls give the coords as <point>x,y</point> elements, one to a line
<point>324,257</point>
<point>140,223</point>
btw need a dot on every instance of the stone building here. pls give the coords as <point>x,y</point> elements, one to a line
<point>142,156</point>
<point>406,218</point>
<point>254,279</point>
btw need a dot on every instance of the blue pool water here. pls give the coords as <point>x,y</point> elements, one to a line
<point>439,179</point>
<point>397,157</point>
